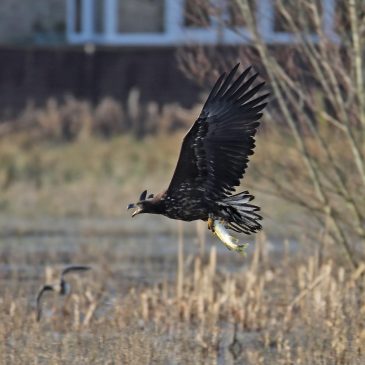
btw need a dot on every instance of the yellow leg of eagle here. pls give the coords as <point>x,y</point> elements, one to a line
<point>229,241</point>
<point>211,224</point>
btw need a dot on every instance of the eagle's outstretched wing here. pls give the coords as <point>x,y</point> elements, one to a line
<point>215,152</point>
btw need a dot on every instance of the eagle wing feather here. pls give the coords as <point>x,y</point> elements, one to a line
<point>215,152</point>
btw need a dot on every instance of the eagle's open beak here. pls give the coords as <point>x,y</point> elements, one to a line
<point>137,211</point>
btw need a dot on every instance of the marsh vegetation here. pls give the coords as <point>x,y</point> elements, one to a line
<point>161,292</point>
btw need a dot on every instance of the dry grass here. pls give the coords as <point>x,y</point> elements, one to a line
<point>72,120</point>
<point>63,203</point>
<point>43,173</point>
<point>283,309</point>
<point>91,153</point>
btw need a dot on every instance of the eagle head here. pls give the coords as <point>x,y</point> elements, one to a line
<point>143,205</point>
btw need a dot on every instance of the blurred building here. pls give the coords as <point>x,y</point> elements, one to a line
<point>141,22</point>
<point>97,48</point>
<point>174,22</point>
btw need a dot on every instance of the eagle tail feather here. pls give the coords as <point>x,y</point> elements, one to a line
<point>240,215</point>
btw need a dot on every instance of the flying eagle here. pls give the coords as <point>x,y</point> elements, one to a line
<point>213,158</point>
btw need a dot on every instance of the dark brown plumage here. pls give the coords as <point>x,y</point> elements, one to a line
<point>213,158</point>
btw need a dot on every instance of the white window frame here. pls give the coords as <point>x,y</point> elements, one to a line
<point>175,33</point>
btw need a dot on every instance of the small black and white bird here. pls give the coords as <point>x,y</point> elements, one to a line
<point>62,287</point>
<point>213,158</point>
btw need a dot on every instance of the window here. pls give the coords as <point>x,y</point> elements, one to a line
<point>197,13</point>
<point>173,22</point>
<point>298,12</point>
<point>99,16</point>
<point>78,16</point>
<point>235,17</point>
<point>139,16</point>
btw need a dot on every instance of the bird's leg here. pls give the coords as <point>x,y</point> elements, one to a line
<point>211,223</point>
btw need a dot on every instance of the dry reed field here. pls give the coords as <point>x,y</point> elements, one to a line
<point>159,292</point>
<point>273,307</point>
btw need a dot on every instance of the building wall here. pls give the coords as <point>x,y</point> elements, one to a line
<point>22,20</point>
<point>39,73</point>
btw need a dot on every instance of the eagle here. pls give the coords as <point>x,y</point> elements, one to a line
<point>213,159</point>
